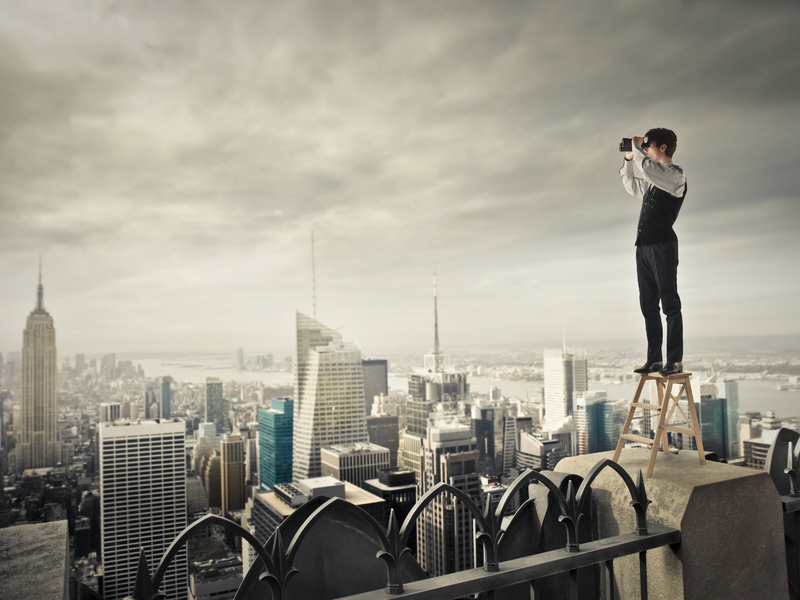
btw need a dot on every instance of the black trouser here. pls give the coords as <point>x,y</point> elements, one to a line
<point>657,272</point>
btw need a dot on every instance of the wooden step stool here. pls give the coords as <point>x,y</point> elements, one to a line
<point>667,403</point>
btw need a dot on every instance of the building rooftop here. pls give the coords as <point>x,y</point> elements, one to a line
<point>355,448</point>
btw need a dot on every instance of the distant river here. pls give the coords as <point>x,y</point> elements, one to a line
<point>755,395</point>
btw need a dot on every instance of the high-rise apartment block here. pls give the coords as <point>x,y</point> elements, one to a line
<point>232,474</point>
<point>275,426</point>
<point>376,381</point>
<point>38,445</point>
<point>329,395</point>
<point>565,373</point>
<point>142,501</point>
<point>215,405</point>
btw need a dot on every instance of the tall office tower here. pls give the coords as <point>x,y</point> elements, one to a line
<point>165,395</point>
<point>588,421</point>
<point>215,405</point>
<point>384,430</point>
<point>487,423</point>
<point>232,474</point>
<point>240,359</point>
<point>80,363</point>
<point>211,470</point>
<point>565,373</point>
<point>275,427</point>
<point>329,395</point>
<point>142,502</point>
<point>196,499</point>
<point>251,452</point>
<point>203,450</point>
<point>108,368</point>
<point>437,394</point>
<point>376,381</point>
<point>38,445</point>
<point>445,541</point>
<point>353,462</point>
<point>110,411</point>
<point>509,443</point>
<point>150,404</point>
<point>610,417</point>
<point>730,391</point>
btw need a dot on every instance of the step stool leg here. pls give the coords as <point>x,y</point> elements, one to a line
<point>628,420</point>
<point>663,402</point>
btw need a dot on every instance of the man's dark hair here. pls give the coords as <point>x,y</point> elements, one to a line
<point>659,136</point>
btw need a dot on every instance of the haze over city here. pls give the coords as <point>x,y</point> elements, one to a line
<point>168,162</point>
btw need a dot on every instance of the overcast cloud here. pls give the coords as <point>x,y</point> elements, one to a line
<point>169,159</point>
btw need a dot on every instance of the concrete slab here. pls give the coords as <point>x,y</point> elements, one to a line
<point>731,522</point>
<point>34,561</point>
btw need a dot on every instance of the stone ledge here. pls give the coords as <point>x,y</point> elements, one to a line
<point>731,523</point>
<point>34,561</point>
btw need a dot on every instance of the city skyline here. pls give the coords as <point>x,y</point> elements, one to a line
<point>169,165</point>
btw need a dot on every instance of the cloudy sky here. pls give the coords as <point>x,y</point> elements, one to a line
<point>169,160</point>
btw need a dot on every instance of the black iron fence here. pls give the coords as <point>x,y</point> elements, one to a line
<point>547,547</point>
<point>783,465</point>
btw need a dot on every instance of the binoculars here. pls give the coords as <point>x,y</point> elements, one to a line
<point>627,146</point>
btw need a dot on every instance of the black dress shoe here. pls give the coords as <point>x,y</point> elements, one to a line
<point>672,368</point>
<point>650,367</point>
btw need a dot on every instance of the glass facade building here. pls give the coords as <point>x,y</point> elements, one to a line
<point>275,427</point>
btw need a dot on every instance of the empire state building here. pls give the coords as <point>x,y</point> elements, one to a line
<point>38,445</point>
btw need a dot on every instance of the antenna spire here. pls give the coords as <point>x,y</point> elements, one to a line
<point>313,279</point>
<point>40,289</point>
<point>435,319</point>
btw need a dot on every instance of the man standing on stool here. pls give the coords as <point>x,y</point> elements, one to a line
<point>661,185</point>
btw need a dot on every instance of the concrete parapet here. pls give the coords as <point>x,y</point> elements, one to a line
<point>34,561</point>
<point>731,522</point>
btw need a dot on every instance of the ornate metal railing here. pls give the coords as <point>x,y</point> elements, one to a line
<point>509,569</point>
<point>785,450</point>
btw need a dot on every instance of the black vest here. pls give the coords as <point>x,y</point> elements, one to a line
<point>659,211</point>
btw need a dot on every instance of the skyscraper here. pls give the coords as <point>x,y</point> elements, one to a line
<point>143,501</point>
<point>445,541</point>
<point>215,404</point>
<point>275,443</point>
<point>329,395</point>
<point>565,373</point>
<point>438,393</point>
<point>38,445</point>
<point>587,420</point>
<point>376,381</point>
<point>232,473</point>
<point>165,393</point>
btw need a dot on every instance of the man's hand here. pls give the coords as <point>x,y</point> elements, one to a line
<point>637,140</point>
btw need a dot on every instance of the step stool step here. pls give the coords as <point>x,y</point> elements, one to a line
<point>636,438</point>
<point>646,405</point>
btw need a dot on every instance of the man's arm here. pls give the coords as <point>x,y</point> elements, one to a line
<point>669,177</point>
<point>635,186</point>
